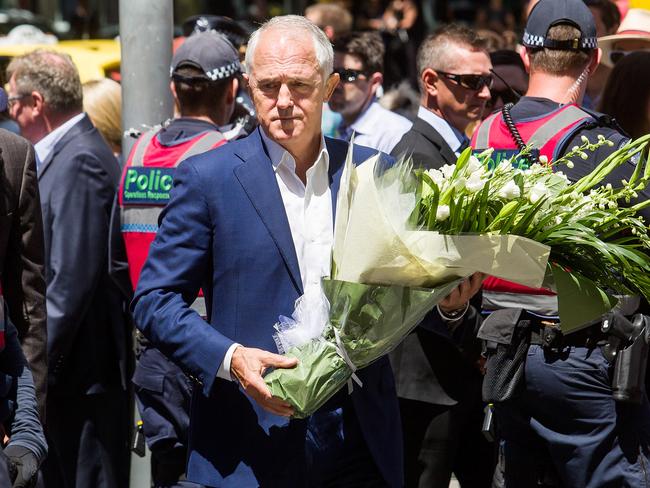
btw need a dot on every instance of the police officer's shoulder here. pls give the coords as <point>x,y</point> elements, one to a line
<point>604,121</point>
<point>227,156</point>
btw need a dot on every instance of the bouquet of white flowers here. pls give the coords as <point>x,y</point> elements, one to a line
<point>403,239</point>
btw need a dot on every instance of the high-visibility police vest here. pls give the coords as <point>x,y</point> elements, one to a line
<point>549,135</point>
<point>144,191</point>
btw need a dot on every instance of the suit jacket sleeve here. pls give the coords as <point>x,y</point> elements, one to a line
<point>80,209</point>
<point>25,429</point>
<point>23,280</point>
<point>118,263</point>
<point>179,263</point>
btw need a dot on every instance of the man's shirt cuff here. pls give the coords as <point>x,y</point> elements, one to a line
<point>224,370</point>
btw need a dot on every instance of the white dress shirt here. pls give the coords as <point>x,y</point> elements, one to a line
<point>377,127</point>
<point>46,145</point>
<point>452,136</point>
<point>309,211</point>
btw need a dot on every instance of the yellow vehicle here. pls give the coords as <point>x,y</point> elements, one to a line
<point>95,58</point>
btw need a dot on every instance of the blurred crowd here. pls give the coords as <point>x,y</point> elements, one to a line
<point>414,80</point>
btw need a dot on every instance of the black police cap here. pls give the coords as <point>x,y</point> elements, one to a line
<point>235,33</point>
<point>549,13</point>
<point>210,52</point>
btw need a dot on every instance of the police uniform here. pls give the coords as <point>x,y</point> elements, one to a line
<point>557,418</point>
<point>163,391</point>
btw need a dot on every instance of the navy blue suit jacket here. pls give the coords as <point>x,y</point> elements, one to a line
<point>225,230</point>
<point>86,331</point>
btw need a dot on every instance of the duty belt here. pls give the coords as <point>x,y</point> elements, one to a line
<point>547,333</point>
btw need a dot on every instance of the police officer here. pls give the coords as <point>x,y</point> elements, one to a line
<point>560,424</point>
<point>204,74</point>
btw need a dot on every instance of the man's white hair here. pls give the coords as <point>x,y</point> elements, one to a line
<point>293,23</point>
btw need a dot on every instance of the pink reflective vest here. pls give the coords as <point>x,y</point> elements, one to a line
<point>548,134</point>
<point>146,181</point>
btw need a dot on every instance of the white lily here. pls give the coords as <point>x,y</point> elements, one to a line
<point>442,213</point>
<point>509,191</point>
<point>537,192</point>
<point>475,183</point>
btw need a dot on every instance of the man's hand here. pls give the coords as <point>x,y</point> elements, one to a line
<point>248,366</point>
<point>23,466</point>
<point>459,297</point>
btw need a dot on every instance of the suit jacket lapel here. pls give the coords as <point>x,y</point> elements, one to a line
<point>257,178</point>
<point>82,126</point>
<point>436,139</point>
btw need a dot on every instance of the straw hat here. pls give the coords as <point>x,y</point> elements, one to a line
<point>635,25</point>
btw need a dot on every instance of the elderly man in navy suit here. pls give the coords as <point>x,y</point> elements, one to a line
<point>87,424</point>
<point>251,223</point>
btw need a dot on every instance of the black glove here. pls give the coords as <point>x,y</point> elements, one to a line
<point>23,466</point>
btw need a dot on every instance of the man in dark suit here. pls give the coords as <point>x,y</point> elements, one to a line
<point>437,374</point>
<point>251,223</point>
<point>22,303</point>
<point>77,174</point>
<point>21,254</point>
<point>455,80</point>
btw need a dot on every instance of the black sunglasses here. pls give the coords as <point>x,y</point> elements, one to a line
<point>349,75</point>
<point>471,82</point>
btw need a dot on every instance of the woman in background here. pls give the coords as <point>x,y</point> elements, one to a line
<point>102,101</point>
<point>627,94</point>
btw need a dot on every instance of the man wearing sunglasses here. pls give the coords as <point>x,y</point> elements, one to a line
<point>562,422</point>
<point>455,80</point>
<point>359,61</point>
<point>438,382</point>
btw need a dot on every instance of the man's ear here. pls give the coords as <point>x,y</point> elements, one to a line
<point>330,85</point>
<point>525,58</point>
<point>376,79</point>
<point>232,90</point>
<point>247,82</point>
<point>430,79</point>
<point>38,103</point>
<point>595,60</point>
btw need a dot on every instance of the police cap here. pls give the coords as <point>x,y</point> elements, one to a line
<point>230,28</point>
<point>210,52</point>
<point>549,13</point>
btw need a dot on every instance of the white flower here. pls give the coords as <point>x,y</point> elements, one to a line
<point>537,192</point>
<point>448,170</point>
<point>543,159</point>
<point>442,213</point>
<point>509,191</point>
<point>474,164</point>
<point>474,183</point>
<point>486,153</point>
<point>505,166</point>
<point>569,164</point>
<point>584,139</point>
<point>436,175</point>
